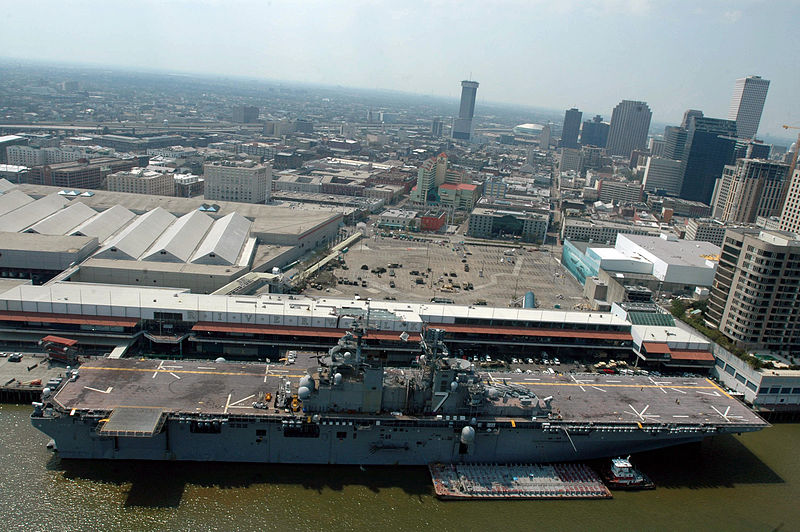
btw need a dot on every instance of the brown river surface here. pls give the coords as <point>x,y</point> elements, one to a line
<point>747,482</point>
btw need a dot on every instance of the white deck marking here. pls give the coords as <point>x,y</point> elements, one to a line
<point>612,381</point>
<point>160,365</point>
<point>240,400</point>
<point>712,394</point>
<point>533,379</point>
<point>600,389</point>
<point>227,404</point>
<point>679,416</point>
<point>205,367</point>
<point>641,414</point>
<point>266,373</point>
<point>578,383</point>
<point>173,367</point>
<point>107,390</point>
<point>658,384</point>
<point>677,390</point>
<point>174,375</point>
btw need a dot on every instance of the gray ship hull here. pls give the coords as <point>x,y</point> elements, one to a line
<point>345,443</point>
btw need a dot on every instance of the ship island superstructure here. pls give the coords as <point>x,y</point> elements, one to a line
<point>346,408</point>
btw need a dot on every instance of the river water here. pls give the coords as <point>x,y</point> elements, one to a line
<point>748,482</point>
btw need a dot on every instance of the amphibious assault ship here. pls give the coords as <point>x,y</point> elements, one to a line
<point>348,409</point>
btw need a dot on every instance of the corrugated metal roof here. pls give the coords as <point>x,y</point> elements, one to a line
<point>63,221</point>
<point>29,214</point>
<point>13,200</point>
<point>224,241</point>
<point>180,239</point>
<point>133,240</point>
<point>105,224</point>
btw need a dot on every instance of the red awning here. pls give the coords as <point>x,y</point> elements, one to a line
<point>286,330</point>
<point>656,347</point>
<point>69,319</point>
<point>523,331</point>
<point>59,340</point>
<point>686,354</point>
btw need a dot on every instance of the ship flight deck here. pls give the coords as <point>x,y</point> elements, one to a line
<point>203,387</point>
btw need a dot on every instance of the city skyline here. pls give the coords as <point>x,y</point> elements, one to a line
<point>695,72</point>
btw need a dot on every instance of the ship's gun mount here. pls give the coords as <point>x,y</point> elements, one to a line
<point>508,398</point>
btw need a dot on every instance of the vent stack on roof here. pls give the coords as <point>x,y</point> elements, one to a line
<point>224,241</point>
<point>178,242</point>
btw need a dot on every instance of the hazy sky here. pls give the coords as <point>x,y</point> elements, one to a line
<point>546,53</point>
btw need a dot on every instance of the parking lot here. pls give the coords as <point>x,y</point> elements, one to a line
<point>461,273</point>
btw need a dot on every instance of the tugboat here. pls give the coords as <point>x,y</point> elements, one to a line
<point>623,476</point>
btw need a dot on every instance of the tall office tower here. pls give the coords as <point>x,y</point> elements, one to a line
<point>544,137</point>
<point>689,114</point>
<point>630,123</point>
<point>245,182</point>
<point>754,293</point>
<point>436,127</point>
<point>572,125</point>
<point>462,126</point>
<point>749,189</point>
<point>675,142</point>
<point>710,145</point>
<point>245,114</point>
<point>656,147</point>
<point>752,149</point>
<point>663,176</point>
<point>747,104</point>
<point>790,215</point>
<point>594,132</point>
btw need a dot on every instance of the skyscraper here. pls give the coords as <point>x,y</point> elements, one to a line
<point>594,132</point>
<point>688,115</point>
<point>790,215</point>
<point>630,123</point>
<point>462,126</point>
<point>572,125</point>
<point>749,189</point>
<point>710,145</point>
<point>747,104</point>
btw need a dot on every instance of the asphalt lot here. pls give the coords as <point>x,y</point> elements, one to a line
<point>498,274</point>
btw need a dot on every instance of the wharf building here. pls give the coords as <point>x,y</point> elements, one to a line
<point>177,322</point>
<point>571,128</point>
<point>630,123</point>
<point>747,103</point>
<point>142,181</point>
<point>754,298</point>
<point>245,182</point>
<point>749,189</point>
<point>710,145</point>
<point>462,126</point>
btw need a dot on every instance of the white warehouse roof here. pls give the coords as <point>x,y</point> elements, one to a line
<point>29,214</point>
<point>13,200</point>
<point>131,242</point>
<point>105,224</point>
<point>63,221</point>
<point>180,239</point>
<point>224,241</point>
